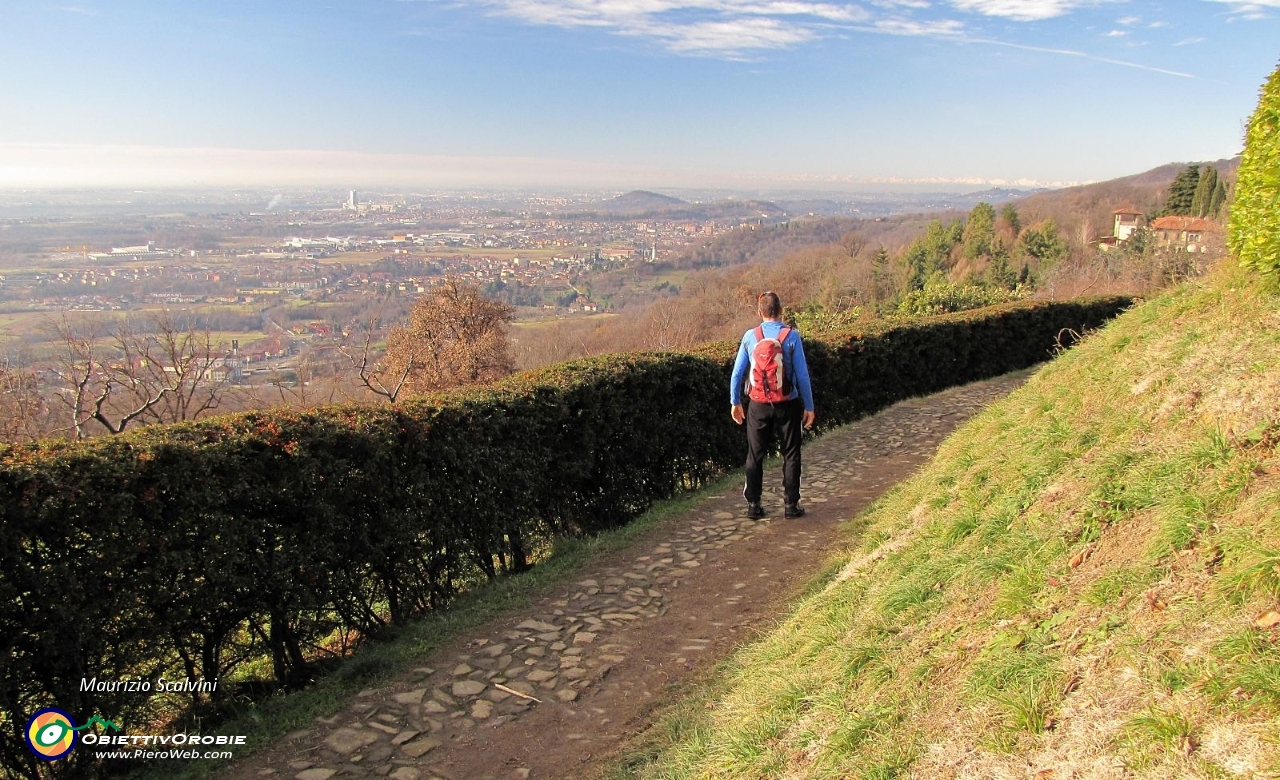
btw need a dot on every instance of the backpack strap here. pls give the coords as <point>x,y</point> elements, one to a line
<point>759,333</point>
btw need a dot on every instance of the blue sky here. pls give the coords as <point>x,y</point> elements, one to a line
<point>623,93</point>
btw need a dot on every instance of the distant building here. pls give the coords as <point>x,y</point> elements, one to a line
<point>147,251</point>
<point>1186,233</point>
<point>1127,220</point>
<point>353,201</point>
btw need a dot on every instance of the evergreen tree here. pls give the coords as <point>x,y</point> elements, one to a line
<point>916,260</point>
<point>1009,214</point>
<point>1219,198</point>
<point>1182,192</point>
<point>979,231</point>
<point>1000,273</point>
<point>1044,243</point>
<point>1203,198</point>
<point>881,282</point>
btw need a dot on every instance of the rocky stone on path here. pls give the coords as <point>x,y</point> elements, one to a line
<point>537,626</point>
<point>405,773</point>
<point>420,747</point>
<point>412,697</point>
<point>464,688</point>
<point>316,774</point>
<point>346,741</point>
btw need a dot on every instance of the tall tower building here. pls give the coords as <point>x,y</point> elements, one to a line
<point>353,202</point>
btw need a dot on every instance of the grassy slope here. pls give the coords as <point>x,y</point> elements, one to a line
<point>1071,585</point>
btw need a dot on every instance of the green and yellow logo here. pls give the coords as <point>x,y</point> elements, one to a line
<point>51,733</point>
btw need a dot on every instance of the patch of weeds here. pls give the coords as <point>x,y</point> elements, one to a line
<point>1154,733</point>
<point>857,729</point>
<point>1026,708</point>
<point>1247,669</point>
<point>1213,451</point>
<point>960,528</point>
<point>1173,679</point>
<point>906,594</point>
<point>1185,522</point>
<point>1119,584</point>
<point>866,659</point>
<point>1259,574</point>
<point>872,540</point>
<point>1020,588</point>
<point>1101,630</point>
<point>1005,664</point>
<point>895,762</point>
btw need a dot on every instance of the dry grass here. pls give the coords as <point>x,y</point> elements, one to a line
<point>1068,591</point>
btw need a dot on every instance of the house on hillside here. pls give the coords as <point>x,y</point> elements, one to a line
<point>1125,223</point>
<point>1127,220</point>
<point>1189,234</point>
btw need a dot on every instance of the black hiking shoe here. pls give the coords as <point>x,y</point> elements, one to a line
<point>754,510</point>
<point>793,510</point>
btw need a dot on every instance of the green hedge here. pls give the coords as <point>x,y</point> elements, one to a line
<point>189,551</point>
<point>1254,230</point>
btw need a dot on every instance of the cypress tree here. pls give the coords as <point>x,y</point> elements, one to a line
<point>1219,198</point>
<point>1203,198</point>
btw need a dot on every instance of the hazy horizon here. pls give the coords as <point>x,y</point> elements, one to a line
<point>625,93</point>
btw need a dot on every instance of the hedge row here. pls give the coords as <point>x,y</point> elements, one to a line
<point>189,551</point>
<point>1253,233</point>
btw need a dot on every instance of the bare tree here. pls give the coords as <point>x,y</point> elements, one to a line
<point>24,411</point>
<point>370,364</point>
<point>166,373</point>
<point>671,326</point>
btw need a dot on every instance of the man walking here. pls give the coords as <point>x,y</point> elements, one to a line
<point>772,371</point>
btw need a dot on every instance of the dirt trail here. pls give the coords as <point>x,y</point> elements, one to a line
<point>553,691</point>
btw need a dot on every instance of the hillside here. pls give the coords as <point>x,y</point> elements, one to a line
<point>642,203</point>
<point>1087,206</point>
<point>1081,584</point>
<point>1093,204</point>
<point>640,200</point>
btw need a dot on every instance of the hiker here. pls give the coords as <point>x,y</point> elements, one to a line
<point>772,371</point>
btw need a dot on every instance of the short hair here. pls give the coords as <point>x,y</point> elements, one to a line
<point>769,305</point>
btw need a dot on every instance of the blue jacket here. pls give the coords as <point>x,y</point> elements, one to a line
<point>792,354</point>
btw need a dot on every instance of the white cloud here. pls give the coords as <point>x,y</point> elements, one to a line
<point>1128,21</point>
<point>1250,9</point>
<point>1020,10</point>
<point>737,35</point>
<point>719,27</point>
<point>939,28</point>
<point>1116,34</point>
<point>1189,41</point>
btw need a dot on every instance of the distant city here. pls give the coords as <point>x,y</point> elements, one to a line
<point>281,274</point>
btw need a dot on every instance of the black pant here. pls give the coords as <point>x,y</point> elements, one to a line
<point>761,421</point>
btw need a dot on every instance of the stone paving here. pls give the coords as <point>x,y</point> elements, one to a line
<point>563,652</point>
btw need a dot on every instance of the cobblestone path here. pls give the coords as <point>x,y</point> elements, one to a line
<point>553,691</point>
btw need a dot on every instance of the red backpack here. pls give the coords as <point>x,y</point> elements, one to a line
<point>768,381</point>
